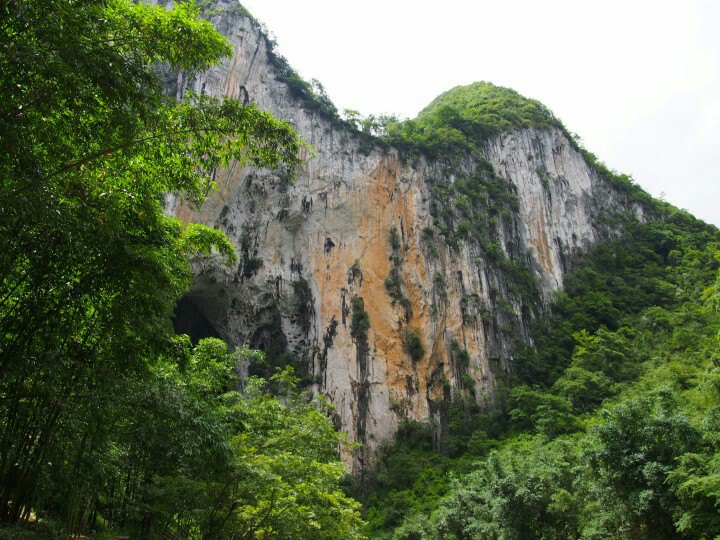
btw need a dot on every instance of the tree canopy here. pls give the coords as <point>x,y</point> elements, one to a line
<point>107,419</point>
<point>463,118</point>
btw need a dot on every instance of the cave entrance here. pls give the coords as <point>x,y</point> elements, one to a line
<point>189,319</point>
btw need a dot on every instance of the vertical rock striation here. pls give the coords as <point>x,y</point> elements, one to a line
<point>356,232</point>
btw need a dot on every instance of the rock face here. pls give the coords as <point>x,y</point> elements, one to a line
<point>356,234</point>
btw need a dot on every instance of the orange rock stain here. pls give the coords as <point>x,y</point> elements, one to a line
<point>541,245</point>
<point>378,205</point>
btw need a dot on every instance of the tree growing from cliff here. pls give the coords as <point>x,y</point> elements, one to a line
<point>360,322</point>
<point>413,344</point>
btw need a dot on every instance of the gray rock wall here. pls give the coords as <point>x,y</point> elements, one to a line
<point>329,233</point>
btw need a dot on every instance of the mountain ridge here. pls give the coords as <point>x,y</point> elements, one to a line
<point>464,243</point>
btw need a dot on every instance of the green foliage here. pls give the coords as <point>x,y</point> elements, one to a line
<point>355,272</point>
<point>312,94</point>
<point>394,239</point>
<point>462,119</point>
<point>314,99</point>
<point>304,303</point>
<point>610,427</point>
<point>440,286</point>
<point>360,322</point>
<point>646,281</point>
<point>108,420</point>
<point>256,463</point>
<point>428,241</point>
<point>200,239</point>
<point>548,413</point>
<point>521,491</point>
<point>473,209</point>
<point>631,455</point>
<point>468,208</point>
<point>394,282</point>
<point>408,477</point>
<point>695,480</point>
<point>472,429</point>
<point>622,182</point>
<point>413,344</point>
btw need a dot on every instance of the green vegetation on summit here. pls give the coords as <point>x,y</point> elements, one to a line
<point>492,108</point>
<point>462,119</point>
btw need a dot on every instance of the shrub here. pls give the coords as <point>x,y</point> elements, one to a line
<point>360,323</point>
<point>413,344</point>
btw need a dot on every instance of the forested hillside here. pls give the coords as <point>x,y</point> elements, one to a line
<point>604,420</point>
<point>607,427</point>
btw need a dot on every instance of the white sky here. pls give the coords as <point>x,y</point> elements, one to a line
<point>638,80</point>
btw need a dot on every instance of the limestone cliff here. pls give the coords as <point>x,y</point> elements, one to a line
<point>362,222</point>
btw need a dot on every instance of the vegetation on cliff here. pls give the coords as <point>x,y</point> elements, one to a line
<point>609,425</point>
<point>463,119</point>
<point>606,425</point>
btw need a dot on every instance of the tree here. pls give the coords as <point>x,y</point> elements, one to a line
<point>413,344</point>
<point>524,491</point>
<point>632,455</point>
<point>229,463</point>
<point>91,266</point>
<point>283,480</point>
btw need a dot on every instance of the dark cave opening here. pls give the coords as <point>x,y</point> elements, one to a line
<point>204,313</point>
<point>188,319</point>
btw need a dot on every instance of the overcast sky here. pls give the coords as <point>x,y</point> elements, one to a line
<point>638,80</point>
